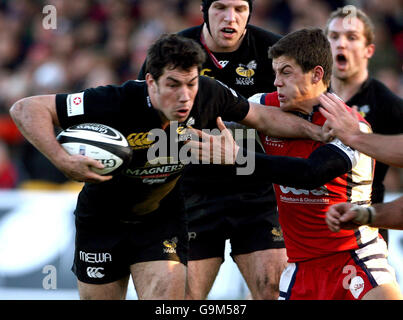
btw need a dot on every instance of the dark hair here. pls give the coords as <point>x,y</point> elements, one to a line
<point>206,6</point>
<point>347,11</point>
<point>173,51</point>
<point>309,47</point>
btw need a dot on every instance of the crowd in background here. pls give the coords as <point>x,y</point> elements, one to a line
<point>99,42</point>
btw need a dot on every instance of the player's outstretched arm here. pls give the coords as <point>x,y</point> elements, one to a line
<point>346,216</point>
<point>274,122</point>
<point>323,165</point>
<point>36,119</point>
<point>345,125</point>
<point>381,215</point>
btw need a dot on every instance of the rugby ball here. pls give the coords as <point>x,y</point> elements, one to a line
<point>99,142</point>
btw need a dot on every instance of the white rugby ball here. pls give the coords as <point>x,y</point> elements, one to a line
<point>99,142</point>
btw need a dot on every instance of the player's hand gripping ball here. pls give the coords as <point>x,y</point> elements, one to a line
<point>99,142</point>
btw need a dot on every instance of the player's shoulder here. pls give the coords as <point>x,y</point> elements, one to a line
<point>375,83</point>
<point>382,92</point>
<point>209,82</point>
<point>192,32</point>
<point>133,84</point>
<point>211,87</point>
<point>268,99</point>
<point>133,87</point>
<point>364,124</point>
<point>263,35</point>
<point>128,88</point>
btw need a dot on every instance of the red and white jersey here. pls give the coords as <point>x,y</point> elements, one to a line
<point>302,212</point>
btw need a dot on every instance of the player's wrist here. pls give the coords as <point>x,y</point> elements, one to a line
<point>365,215</point>
<point>352,139</point>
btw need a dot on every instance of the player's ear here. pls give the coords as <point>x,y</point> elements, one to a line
<point>369,51</point>
<point>151,83</point>
<point>317,74</point>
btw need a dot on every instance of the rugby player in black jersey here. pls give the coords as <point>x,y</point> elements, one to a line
<point>222,206</point>
<point>133,223</point>
<point>351,35</point>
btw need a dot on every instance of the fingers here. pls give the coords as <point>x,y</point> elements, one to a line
<point>200,151</point>
<point>341,216</point>
<point>325,113</point>
<point>199,133</point>
<point>328,103</point>
<point>348,216</point>
<point>328,109</point>
<point>80,168</point>
<point>332,219</point>
<point>355,112</point>
<point>98,179</point>
<point>220,124</point>
<point>94,163</point>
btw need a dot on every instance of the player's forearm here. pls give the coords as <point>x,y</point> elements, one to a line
<point>274,122</point>
<point>389,215</point>
<point>384,148</point>
<point>287,125</point>
<point>36,123</point>
<point>321,167</point>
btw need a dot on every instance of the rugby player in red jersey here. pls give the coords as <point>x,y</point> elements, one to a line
<point>309,177</point>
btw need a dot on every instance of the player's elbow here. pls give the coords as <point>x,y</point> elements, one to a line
<point>17,110</point>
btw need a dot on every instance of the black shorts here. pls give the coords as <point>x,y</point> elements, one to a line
<point>106,249</point>
<point>249,221</point>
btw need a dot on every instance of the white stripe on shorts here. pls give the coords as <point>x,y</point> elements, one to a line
<point>374,257</point>
<point>286,280</point>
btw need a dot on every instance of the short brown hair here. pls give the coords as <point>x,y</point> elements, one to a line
<point>369,29</point>
<point>173,51</point>
<point>309,47</point>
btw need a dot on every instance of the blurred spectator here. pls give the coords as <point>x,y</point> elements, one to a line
<point>8,172</point>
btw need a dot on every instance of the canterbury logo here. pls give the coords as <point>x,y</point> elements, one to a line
<point>205,72</point>
<point>95,272</point>
<point>139,140</point>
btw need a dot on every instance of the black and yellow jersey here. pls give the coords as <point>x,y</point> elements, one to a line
<point>152,174</point>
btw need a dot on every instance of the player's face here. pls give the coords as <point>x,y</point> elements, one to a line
<point>294,87</point>
<point>227,20</point>
<point>174,93</point>
<point>349,48</point>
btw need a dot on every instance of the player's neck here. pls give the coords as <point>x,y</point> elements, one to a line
<point>314,101</point>
<point>307,106</point>
<point>348,87</point>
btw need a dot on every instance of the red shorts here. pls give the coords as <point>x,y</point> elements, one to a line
<point>346,275</point>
